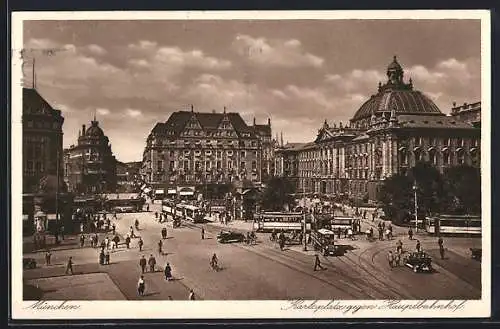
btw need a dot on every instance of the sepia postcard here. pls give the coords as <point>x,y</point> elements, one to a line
<point>238,165</point>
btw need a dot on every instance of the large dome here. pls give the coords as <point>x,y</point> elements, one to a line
<point>401,101</point>
<point>94,130</point>
<point>396,95</point>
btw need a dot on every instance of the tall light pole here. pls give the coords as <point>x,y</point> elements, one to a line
<point>304,211</point>
<point>416,205</point>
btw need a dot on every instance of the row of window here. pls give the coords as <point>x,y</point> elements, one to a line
<point>364,148</point>
<point>42,124</point>
<point>208,165</point>
<point>240,143</point>
<point>218,154</point>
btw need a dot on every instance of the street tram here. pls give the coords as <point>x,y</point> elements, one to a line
<point>453,224</point>
<point>341,222</point>
<point>168,207</point>
<point>193,214</point>
<point>179,210</point>
<point>287,221</point>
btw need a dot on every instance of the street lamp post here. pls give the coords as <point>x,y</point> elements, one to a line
<point>416,205</point>
<point>304,211</point>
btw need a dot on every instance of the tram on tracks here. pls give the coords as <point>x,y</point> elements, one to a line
<point>454,225</point>
<point>286,221</point>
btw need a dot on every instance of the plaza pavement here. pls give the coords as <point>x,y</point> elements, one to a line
<point>263,271</point>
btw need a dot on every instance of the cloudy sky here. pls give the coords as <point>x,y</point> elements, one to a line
<point>298,73</point>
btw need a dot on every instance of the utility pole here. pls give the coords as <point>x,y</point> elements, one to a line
<point>304,211</point>
<point>57,192</point>
<point>416,205</point>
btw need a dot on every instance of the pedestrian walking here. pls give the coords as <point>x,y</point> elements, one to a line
<point>168,272</point>
<point>410,234</point>
<point>441,247</point>
<point>164,233</point>
<point>82,240</point>
<point>417,247</point>
<point>127,242</point>
<point>203,233</point>
<point>143,263</point>
<point>160,245</point>
<point>114,228</point>
<point>132,235</point>
<point>317,263</point>
<point>380,233</point>
<point>48,255</point>
<point>191,295</point>
<point>101,257</point>
<point>390,258</point>
<point>106,257</point>
<point>141,286</point>
<point>156,214</point>
<point>106,242</point>
<point>397,259</point>
<point>399,247</point>
<point>69,266</point>
<point>152,263</point>
<point>140,243</point>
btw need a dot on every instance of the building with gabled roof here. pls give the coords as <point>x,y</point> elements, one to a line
<point>195,148</point>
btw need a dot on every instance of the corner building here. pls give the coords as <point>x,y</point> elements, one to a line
<point>89,166</point>
<point>198,148</point>
<point>392,131</point>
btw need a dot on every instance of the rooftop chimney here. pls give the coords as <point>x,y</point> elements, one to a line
<point>254,121</point>
<point>269,122</point>
<point>83,130</point>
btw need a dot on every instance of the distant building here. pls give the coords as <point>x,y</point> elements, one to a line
<point>197,148</point>
<point>470,113</point>
<point>391,132</point>
<point>42,140</point>
<point>89,166</point>
<point>127,176</point>
<point>265,135</point>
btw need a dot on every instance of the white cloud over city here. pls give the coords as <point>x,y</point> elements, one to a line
<point>133,81</point>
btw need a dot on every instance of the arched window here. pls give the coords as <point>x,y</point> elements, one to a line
<point>461,157</point>
<point>433,157</point>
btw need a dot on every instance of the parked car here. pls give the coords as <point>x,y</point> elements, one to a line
<point>29,263</point>
<point>419,262</point>
<point>476,253</point>
<point>230,236</point>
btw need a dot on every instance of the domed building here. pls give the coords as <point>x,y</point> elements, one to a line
<point>391,131</point>
<point>89,166</point>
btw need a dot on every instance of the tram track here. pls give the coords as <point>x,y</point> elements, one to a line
<point>358,284</point>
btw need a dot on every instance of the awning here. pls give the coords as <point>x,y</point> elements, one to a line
<point>172,191</point>
<point>51,216</point>
<point>325,232</point>
<point>186,193</point>
<point>161,191</point>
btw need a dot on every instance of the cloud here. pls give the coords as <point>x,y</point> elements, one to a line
<point>276,52</point>
<point>133,113</point>
<point>193,58</point>
<point>96,49</point>
<point>103,111</point>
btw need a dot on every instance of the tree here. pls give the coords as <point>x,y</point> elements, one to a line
<point>396,196</point>
<point>276,194</point>
<point>430,187</point>
<point>463,190</point>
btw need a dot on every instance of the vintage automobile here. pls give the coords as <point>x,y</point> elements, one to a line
<point>324,241</point>
<point>29,263</point>
<point>476,253</point>
<point>419,262</point>
<point>230,236</point>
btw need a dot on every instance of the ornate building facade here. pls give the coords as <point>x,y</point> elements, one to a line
<point>89,166</point>
<point>470,113</point>
<point>198,148</point>
<point>42,140</point>
<point>392,131</point>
